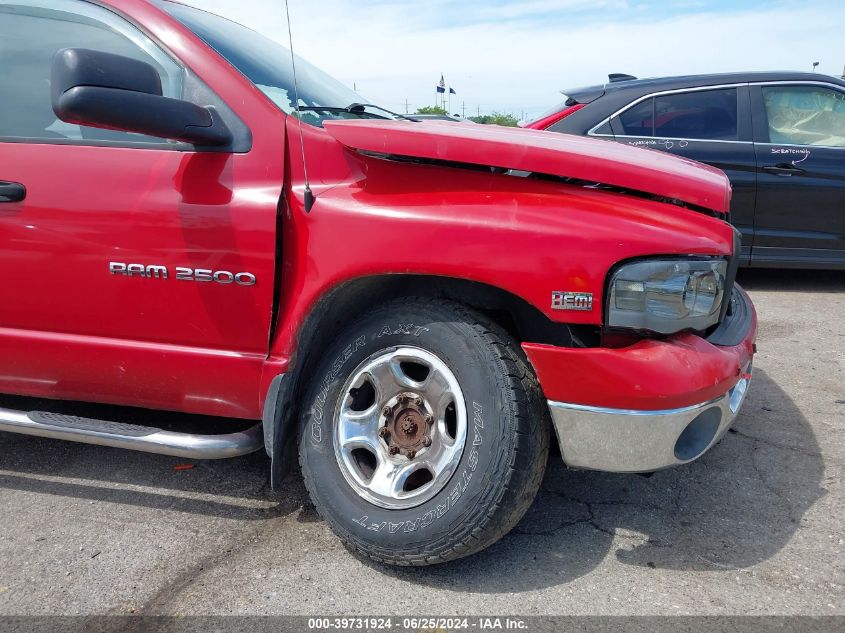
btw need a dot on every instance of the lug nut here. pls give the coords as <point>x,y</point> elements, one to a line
<point>384,432</point>
<point>386,410</point>
<point>417,401</point>
<point>393,450</point>
<point>429,419</point>
<point>411,453</point>
<point>427,441</point>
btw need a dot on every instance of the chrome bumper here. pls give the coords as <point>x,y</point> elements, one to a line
<point>619,440</point>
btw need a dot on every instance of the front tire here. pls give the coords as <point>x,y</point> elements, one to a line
<point>425,436</point>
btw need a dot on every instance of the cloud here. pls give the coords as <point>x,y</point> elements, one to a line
<point>516,56</point>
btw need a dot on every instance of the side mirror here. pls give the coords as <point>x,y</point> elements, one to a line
<point>119,93</point>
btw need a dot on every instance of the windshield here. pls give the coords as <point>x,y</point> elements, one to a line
<point>268,65</point>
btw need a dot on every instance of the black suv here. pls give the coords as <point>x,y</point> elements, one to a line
<point>780,137</point>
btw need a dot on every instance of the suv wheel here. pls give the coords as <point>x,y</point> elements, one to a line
<point>425,435</point>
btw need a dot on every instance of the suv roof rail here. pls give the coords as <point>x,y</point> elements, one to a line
<point>614,77</point>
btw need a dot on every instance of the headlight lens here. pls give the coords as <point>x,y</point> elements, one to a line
<point>667,296</point>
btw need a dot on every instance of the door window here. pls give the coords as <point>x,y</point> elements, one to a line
<point>31,31</point>
<point>805,115</point>
<point>638,120</point>
<point>701,114</point>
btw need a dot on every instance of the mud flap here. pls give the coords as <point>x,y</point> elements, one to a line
<point>278,428</point>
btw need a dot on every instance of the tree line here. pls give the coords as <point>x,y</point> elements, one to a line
<point>497,118</point>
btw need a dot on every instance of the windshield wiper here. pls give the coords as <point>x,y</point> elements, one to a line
<point>336,110</point>
<point>359,107</point>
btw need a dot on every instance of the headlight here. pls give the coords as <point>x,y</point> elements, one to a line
<point>667,296</point>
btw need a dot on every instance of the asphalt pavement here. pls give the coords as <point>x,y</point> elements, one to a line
<point>754,527</point>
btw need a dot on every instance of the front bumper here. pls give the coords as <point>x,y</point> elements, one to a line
<point>620,440</point>
<point>655,404</point>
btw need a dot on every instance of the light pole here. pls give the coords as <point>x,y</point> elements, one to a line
<point>814,66</point>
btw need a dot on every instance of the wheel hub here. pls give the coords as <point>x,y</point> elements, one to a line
<point>407,425</point>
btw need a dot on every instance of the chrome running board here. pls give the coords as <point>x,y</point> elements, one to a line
<point>131,436</point>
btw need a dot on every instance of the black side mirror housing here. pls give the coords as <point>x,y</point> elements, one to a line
<point>109,91</point>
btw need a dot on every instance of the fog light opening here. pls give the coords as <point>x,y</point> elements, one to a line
<point>698,434</point>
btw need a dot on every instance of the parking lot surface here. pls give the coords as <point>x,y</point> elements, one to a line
<point>754,527</point>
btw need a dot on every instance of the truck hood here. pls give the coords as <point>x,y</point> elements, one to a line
<point>592,160</point>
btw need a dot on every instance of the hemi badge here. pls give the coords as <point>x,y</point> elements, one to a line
<point>572,300</point>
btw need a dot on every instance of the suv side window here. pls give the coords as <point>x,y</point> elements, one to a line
<point>31,31</point>
<point>805,115</point>
<point>637,120</point>
<point>700,115</point>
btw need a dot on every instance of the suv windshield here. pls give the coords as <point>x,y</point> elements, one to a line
<point>268,65</point>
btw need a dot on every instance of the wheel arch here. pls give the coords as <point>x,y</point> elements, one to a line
<point>348,300</point>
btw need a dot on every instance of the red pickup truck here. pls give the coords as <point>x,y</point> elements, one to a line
<point>412,306</point>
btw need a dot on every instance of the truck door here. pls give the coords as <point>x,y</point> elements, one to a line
<point>135,270</point>
<point>800,146</point>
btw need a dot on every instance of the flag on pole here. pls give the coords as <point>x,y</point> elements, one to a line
<point>441,87</point>
<point>452,91</point>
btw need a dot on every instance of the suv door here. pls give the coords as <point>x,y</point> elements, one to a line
<point>711,125</point>
<point>799,138</point>
<point>135,270</point>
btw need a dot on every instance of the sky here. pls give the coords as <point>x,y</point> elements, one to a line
<point>516,56</point>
